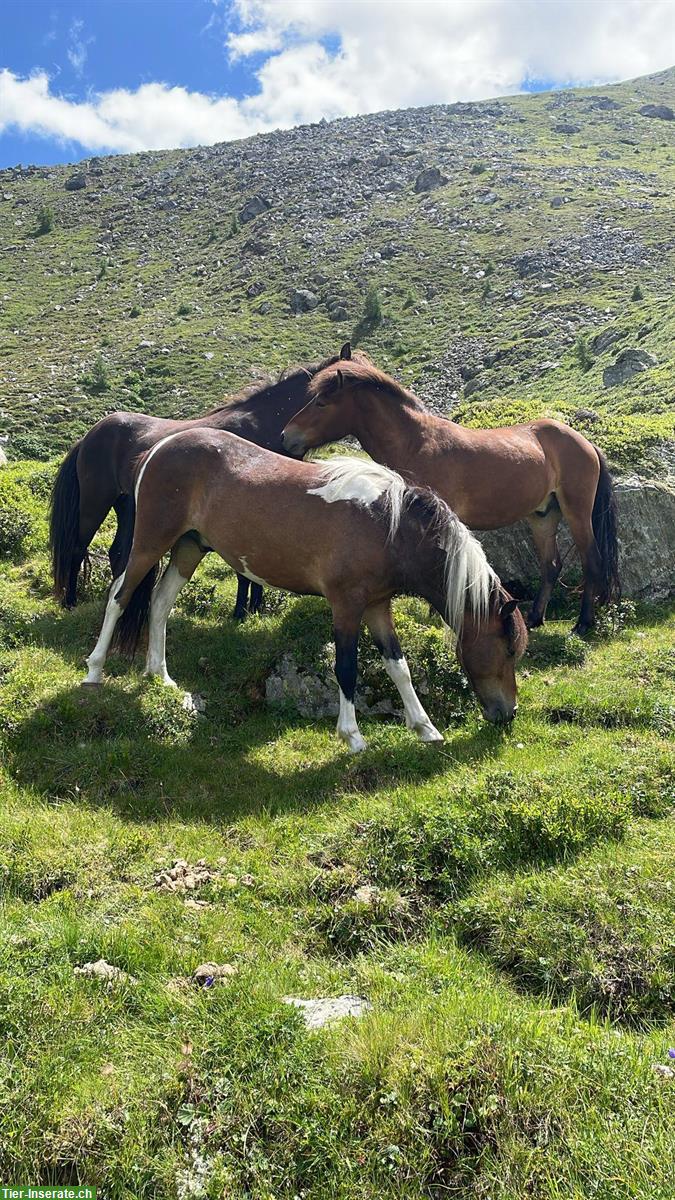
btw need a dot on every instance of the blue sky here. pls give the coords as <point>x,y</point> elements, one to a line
<point>99,76</point>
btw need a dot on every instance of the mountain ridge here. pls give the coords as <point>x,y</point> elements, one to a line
<point>504,238</point>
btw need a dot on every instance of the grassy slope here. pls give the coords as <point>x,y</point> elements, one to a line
<point>119,247</point>
<point>518,950</point>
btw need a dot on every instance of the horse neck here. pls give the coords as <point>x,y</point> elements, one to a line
<point>265,412</point>
<point>389,431</point>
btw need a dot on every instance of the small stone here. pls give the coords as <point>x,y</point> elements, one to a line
<point>209,973</point>
<point>316,1013</point>
<point>663,1070</point>
<point>104,971</point>
<point>366,894</point>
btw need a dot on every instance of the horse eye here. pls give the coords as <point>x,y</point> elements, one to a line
<point>320,402</point>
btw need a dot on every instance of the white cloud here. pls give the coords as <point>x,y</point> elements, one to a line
<point>77,46</point>
<point>382,55</point>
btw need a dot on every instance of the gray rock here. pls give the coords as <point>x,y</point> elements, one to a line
<point>314,692</point>
<point>557,202</point>
<point>566,127</point>
<point>661,111</point>
<point>646,543</point>
<point>253,208</point>
<point>3,458</point>
<point>429,179</point>
<point>316,1013</point>
<point>606,338</point>
<point>75,183</point>
<point>630,362</point>
<point>302,300</point>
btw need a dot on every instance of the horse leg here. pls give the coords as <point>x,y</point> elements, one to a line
<point>544,532</point>
<point>121,545</point>
<point>256,600</point>
<point>93,511</point>
<point>578,515</point>
<point>185,558</point>
<point>240,604</point>
<point>346,624</point>
<point>380,622</point>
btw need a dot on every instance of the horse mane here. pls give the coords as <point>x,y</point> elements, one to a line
<point>360,372</point>
<point>247,397</point>
<point>469,578</point>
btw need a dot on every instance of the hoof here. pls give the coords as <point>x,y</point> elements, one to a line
<point>353,741</point>
<point>91,683</point>
<point>239,614</point>
<point>429,733</point>
<point>534,622</point>
<point>581,629</point>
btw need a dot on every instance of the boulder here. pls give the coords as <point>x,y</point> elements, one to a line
<point>253,208</point>
<point>646,543</point>
<point>302,300</point>
<point>630,362</point>
<point>75,183</point>
<point>429,179</point>
<point>661,111</point>
<point>602,341</point>
<point>3,458</point>
<point>566,127</point>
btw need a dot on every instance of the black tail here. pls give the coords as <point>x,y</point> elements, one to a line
<point>604,528</point>
<point>64,527</point>
<point>131,625</point>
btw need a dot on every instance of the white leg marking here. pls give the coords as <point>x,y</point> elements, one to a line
<point>98,655</point>
<point>347,729</point>
<point>245,570</point>
<point>163,600</point>
<point>415,717</point>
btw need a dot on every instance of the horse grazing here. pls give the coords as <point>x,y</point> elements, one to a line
<point>98,474</point>
<point>349,530</point>
<point>490,477</point>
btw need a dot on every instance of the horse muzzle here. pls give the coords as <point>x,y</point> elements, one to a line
<point>499,714</point>
<point>293,442</point>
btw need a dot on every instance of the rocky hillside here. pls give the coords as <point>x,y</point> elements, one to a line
<point>522,252</point>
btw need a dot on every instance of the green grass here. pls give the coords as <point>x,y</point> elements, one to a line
<point>503,901</point>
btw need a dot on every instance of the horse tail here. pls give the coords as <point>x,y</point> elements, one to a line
<point>64,523</point>
<point>132,624</point>
<point>604,519</point>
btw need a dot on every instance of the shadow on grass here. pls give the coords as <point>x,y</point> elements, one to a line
<point>136,751</point>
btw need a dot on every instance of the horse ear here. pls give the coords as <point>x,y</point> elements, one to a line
<point>340,378</point>
<point>346,350</point>
<point>508,608</point>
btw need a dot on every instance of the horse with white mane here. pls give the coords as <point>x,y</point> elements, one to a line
<point>350,530</point>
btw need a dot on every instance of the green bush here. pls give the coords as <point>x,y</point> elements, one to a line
<point>98,379</point>
<point>19,518</point>
<point>582,353</point>
<point>45,220</point>
<point>372,309</point>
<point>637,293</point>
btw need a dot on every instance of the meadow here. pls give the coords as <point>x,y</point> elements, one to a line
<point>504,901</point>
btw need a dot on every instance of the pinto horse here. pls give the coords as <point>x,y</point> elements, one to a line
<point>541,471</point>
<point>98,473</point>
<point>350,530</point>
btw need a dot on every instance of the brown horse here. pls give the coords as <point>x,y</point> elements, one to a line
<point>98,473</point>
<point>490,477</point>
<point>350,530</point>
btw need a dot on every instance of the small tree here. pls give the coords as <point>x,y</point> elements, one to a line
<point>184,310</point>
<point>135,311</point>
<point>582,353</point>
<point>485,289</point>
<point>478,168</point>
<point>45,220</point>
<point>638,294</point>
<point>234,226</point>
<point>372,309</point>
<point>99,380</point>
